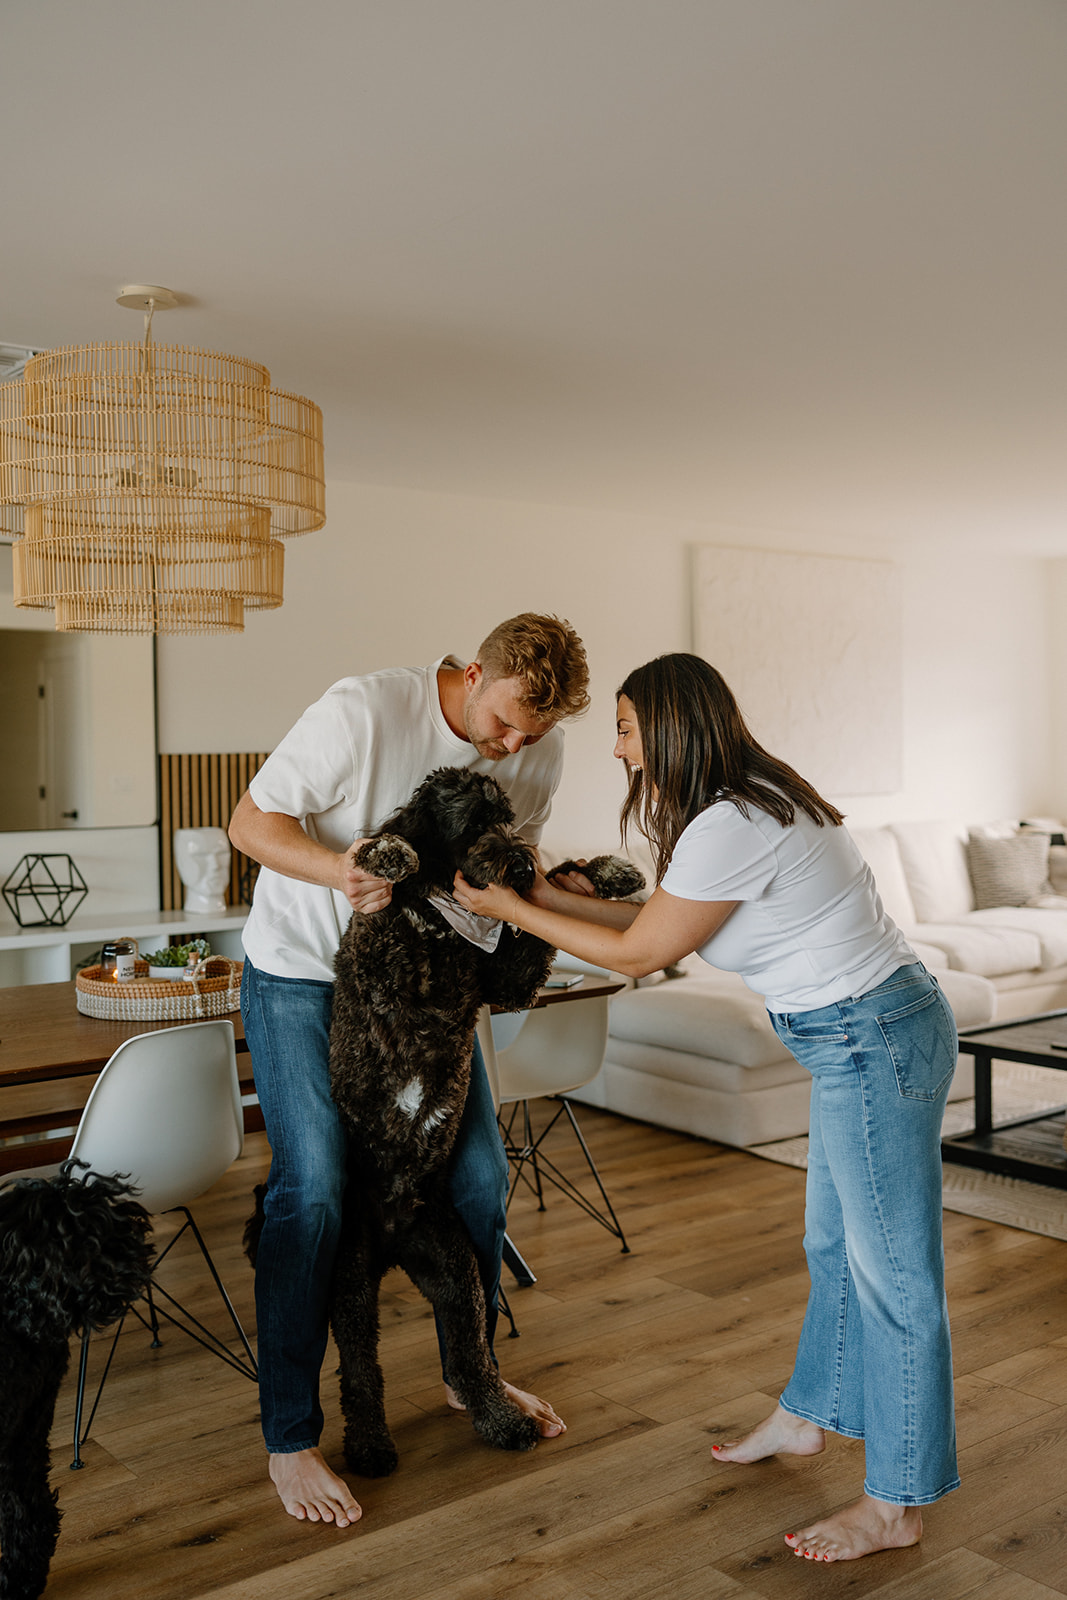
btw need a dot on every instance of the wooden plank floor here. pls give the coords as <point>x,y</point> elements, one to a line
<point>651,1356</point>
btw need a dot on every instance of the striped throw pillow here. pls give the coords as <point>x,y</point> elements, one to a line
<point>1008,872</point>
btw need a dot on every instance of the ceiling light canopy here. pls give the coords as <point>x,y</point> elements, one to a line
<point>148,487</point>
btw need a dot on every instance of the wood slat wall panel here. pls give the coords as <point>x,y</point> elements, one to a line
<point>200,791</point>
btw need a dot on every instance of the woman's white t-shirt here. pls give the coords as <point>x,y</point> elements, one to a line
<point>810,928</point>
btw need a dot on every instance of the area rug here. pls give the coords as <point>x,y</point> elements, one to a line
<point>1018,1091</point>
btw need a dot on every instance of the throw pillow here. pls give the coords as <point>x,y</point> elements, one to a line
<point>1008,872</point>
<point>1057,868</point>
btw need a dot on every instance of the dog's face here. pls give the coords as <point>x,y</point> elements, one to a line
<point>455,819</point>
<point>500,856</point>
<point>459,806</point>
<point>73,1254</point>
<point>473,822</point>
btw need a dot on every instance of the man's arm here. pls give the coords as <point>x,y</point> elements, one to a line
<point>279,842</point>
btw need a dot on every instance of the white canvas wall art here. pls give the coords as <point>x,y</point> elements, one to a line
<point>811,647</point>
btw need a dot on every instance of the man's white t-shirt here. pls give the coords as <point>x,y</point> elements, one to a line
<point>810,928</point>
<point>351,760</point>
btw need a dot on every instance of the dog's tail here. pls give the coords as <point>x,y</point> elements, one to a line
<point>254,1225</point>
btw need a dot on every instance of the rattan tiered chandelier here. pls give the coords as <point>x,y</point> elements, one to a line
<point>148,486</point>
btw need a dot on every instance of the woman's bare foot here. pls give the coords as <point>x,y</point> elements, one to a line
<point>310,1492</point>
<point>780,1434</point>
<point>548,1423</point>
<point>859,1530</point>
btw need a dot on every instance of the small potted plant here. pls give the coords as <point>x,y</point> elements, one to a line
<point>174,962</point>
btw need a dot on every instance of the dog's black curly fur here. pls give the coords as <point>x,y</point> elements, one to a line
<point>406,998</point>
<point>74,1254</point>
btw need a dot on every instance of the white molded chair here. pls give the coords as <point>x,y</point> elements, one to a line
<point>165,1113</point>
<point>557,1048</point>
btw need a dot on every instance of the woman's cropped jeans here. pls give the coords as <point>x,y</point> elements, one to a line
<point>874,1360</point>
<point>287,1025</point>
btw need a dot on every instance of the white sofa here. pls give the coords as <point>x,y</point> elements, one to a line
<point>697,1052</point>
<point>924,874</point>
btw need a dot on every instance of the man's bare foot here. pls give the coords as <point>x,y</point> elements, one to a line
<point>549,1425</point>
<point>310,1492</point>
<point>859,1530</point>
<point>780,1434</point>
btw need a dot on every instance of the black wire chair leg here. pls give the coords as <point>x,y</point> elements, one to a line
<point>617,1230</point>
<point>516,1264</point>
<point>83,1371</point>
<point>531,1154</point>
<point>157,1342</point>
<point>220,1286</point>
<point>502,1305</point>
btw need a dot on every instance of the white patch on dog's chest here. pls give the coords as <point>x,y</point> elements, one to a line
<point>410,1098</point>
<point>409,1101</point>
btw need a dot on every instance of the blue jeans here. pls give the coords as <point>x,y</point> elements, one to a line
<point>287,1025</point>
<point>874,1360</point>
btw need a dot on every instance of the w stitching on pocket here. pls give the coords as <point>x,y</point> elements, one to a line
<point>908,1064</point>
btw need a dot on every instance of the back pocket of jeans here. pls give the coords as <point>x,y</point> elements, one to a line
<point>921,1040</point>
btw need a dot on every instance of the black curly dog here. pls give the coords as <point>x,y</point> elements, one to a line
<point>74,1254</point>
<point>407,992</point>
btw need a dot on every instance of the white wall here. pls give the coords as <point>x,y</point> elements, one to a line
<point>1056,598</point>
<point>400,577</point>
<point>120,866</point>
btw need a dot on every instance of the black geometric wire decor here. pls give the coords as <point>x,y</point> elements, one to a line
<point>50,885</point>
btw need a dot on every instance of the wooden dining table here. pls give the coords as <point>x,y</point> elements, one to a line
<point>50,1055</point>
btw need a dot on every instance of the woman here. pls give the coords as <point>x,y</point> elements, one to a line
<point>755,871</point>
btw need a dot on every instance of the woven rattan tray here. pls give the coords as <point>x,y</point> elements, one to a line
<point>215,991</point>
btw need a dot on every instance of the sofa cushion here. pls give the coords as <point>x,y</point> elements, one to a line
<point>935,866</point>
<point>880,850</point>
<point>681,1066</point>
<point>705,1017</point>
<point>931,955</point>
<point>973,999</point>
<point>989,950</point>
<point>1008,872</point>
<point>1049,927</point>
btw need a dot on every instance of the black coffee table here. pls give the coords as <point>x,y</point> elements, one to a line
<point>1031,1147</point>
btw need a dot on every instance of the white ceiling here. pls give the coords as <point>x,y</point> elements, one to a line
<point>795,264</point>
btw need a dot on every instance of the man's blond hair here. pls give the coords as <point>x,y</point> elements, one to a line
<point>547,657</point>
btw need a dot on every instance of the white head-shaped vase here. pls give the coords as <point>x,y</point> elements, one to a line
<point>202,856</point>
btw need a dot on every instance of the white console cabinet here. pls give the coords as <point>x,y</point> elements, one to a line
<point>51,955</point>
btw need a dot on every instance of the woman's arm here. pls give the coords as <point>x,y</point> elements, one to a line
<point>633,940</point>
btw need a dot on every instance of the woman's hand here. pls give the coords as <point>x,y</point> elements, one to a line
<point>574,882</point>
<point>496,901</point>
<point>544,892</point>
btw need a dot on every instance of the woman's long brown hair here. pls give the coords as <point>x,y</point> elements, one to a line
<point>698,749</point>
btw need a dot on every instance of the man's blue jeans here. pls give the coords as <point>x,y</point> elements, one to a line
<point>874,1360</point>
<point>287,1025</point>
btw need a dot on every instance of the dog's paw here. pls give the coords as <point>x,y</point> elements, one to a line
<point>387,857</point>
<point>505,1426</point>
<point>612,877</point>
<point>370,1457</point>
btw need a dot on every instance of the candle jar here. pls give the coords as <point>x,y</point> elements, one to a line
<point>118,960</point>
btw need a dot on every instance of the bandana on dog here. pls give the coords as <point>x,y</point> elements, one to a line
<point>482,931</point>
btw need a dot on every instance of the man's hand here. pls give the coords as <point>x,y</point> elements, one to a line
<point>363,892</point>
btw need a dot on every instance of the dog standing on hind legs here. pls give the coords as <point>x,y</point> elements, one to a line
<point>407,991</point>
<point>74,1255</point>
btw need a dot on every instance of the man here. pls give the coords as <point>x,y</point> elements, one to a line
<point>353,757</point>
